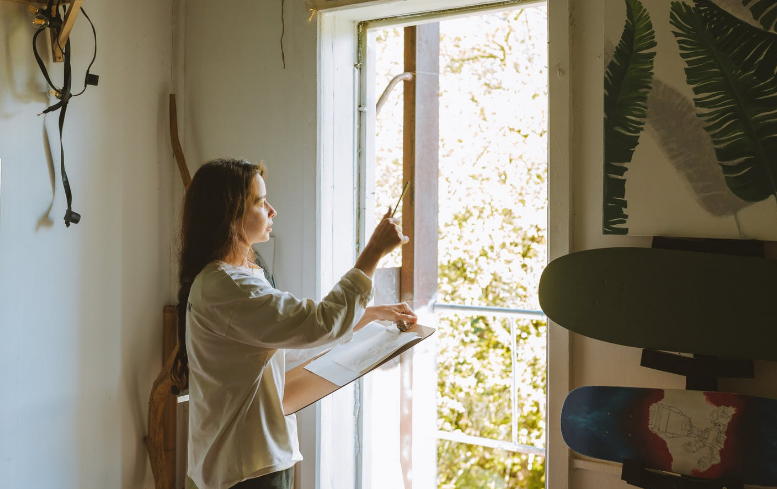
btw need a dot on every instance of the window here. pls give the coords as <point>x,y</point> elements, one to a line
<point>339,52</point>
<point>444,121</point>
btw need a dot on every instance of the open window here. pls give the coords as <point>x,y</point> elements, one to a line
<point>457,106</point>
<point>403,400</point>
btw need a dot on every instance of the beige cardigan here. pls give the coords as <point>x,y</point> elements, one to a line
<point>237,330</point>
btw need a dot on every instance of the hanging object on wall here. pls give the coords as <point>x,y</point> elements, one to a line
<point>59,20</point>
<point>161,439</point>
<point>690,129</point>
<point>283,31</point>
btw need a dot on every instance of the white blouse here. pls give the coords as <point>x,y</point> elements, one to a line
<point>237,327</point>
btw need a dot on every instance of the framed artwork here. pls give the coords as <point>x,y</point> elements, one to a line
<point>690,118</point>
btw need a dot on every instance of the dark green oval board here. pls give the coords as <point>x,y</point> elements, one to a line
<point>680,301</point>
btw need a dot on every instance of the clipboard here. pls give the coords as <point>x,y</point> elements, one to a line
<point>303,388</point>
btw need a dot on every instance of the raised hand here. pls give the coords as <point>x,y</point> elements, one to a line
<point>386,237</point>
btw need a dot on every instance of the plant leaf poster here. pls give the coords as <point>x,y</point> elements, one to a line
<point>690,118</point>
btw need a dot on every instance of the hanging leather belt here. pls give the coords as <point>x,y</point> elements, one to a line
<point>64,94</point>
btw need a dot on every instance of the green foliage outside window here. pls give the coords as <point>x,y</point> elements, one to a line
<point>492,236</point>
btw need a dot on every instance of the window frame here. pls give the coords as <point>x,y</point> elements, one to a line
<point>342,164</point>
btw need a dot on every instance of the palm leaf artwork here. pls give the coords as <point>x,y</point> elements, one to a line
<point>674,126</point>
<point>764,12</point>
<point>739,108</point>
<point>626,84</point>
<point>750,48</point>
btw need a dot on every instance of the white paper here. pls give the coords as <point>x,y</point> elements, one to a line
<point>331,371</point>
<point>372,350</point>
<point>370,346</point>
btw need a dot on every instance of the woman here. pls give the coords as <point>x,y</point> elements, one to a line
<point>234,328</point>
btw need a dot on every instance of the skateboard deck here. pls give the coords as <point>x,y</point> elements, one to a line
<point>679,301</point>
<point>708,435</point>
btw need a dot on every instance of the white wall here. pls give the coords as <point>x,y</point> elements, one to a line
<point>241,102</point>
<point>81,308</point>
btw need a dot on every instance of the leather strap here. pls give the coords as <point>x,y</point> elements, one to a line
<point>64,94</point>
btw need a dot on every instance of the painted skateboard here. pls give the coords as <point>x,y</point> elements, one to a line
<point>658,299</point>
<point>708,435</point>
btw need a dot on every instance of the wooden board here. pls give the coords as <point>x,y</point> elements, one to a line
<point>709,435</point>
<point>160,441</point>
<point>169,420</point>
<point>303,388</point>
<point>67,27</point>
<point>678,301</point>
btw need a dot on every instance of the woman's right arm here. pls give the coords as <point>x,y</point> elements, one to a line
<point>274,319</point>
<point>271,318</point>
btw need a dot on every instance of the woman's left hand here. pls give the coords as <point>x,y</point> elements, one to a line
<point>392,312</point>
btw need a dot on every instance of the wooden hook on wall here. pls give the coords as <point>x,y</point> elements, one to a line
<point>64,33</point>
<point>67,25</point>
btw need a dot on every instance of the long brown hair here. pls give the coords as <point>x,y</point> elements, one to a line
<point>212,229</point>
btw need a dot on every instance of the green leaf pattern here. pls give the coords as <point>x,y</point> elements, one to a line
<point>627,85</point>
<point>750,48</point>
<point>734,95</point>
<point>764,11</point>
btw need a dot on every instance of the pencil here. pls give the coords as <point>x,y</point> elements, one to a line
<point>404,189</point>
